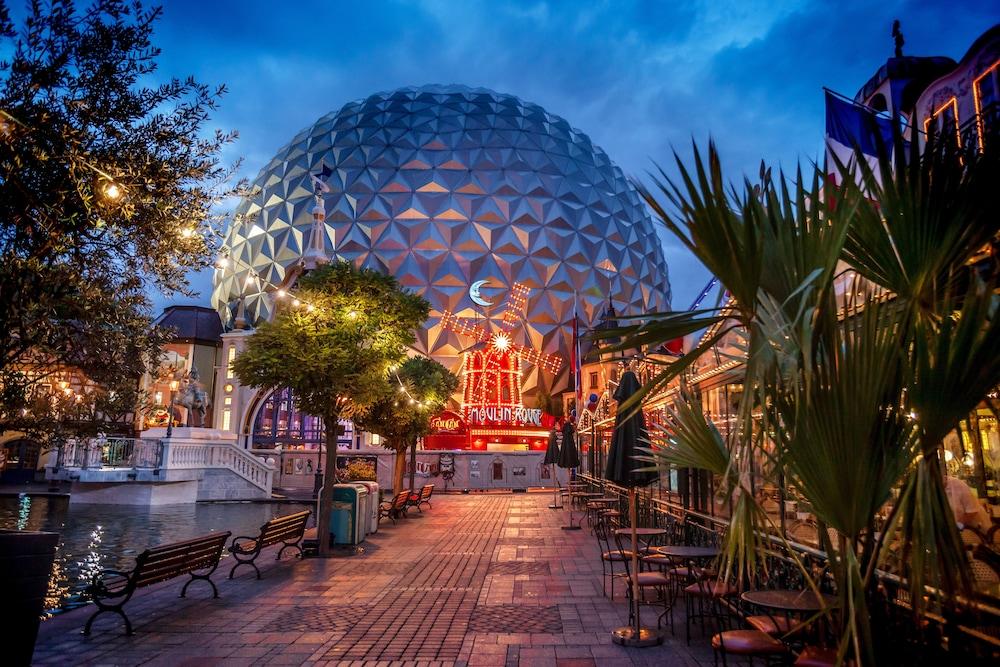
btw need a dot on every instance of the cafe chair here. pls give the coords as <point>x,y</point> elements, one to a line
<point>609,556</point>
<point>706,598</point>
<point>749,644</point>
<point>817,656</point>
<point>773,625</point>
<point>657,582</point>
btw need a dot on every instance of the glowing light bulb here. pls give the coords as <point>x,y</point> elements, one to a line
<point>112,192</point>
<point>281,293</point>
<point>296,303</point>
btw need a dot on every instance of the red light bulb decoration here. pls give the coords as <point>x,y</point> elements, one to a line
<point>491,377</point>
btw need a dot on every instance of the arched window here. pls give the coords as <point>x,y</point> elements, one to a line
<point>280,423</point>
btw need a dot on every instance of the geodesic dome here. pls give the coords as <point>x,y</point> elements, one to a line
<point>445,187</point>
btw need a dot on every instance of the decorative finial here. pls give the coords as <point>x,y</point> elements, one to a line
<point>240,321</point>
<point>316,254</point>
<point>897,37</point>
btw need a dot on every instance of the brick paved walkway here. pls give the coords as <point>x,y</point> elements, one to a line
<point>477,580</point>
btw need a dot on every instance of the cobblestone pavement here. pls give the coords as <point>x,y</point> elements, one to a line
<point>477,580</point>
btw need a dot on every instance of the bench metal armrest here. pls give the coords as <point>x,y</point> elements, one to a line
<point>98,589</point>
<point>236,546</point>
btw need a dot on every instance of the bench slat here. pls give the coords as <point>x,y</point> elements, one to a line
<point>176,546</point>
<point>167,557</point>
<point>172,560</point>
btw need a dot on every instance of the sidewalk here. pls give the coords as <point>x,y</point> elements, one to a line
<point>477,580</point>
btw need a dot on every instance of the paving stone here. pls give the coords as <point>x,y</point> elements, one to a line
<point>478,580</point>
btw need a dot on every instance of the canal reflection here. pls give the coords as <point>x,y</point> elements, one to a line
<point>93,537</point>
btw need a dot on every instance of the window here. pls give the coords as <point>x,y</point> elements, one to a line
<point>593,380</point>
<point>226,418</point>
<point>984,93</point>
<point>229,362</point>
<point>279,422</point>
<point>945,121</point>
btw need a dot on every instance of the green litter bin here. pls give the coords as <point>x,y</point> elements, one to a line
<point>346,512</point>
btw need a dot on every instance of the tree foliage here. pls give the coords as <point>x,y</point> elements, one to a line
<point>333,346</point>
<point>107,181</point>
<point>403,413</point>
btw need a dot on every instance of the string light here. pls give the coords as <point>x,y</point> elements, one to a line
<point>112,191</point>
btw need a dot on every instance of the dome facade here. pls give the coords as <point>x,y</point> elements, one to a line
<point>459,193</point>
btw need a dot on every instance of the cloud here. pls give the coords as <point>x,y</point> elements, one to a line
<point>639,77</point>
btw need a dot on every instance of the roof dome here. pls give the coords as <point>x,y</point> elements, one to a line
<point>445,187</point>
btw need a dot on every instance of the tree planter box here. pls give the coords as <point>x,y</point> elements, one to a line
<point>25,567</point>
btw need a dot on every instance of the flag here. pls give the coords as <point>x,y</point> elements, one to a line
<point>851,126</point>
<point>318,184</point>
<point>319,180</point>
<point>577,363</point>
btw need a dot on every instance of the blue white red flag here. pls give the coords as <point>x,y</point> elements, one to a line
<point>850,126</point>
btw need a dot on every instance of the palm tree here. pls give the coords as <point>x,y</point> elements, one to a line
<point>869,333</point>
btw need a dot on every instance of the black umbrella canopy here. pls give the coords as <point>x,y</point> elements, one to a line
<point>569,457</point>
<point>552,451</point>
<point>629,433</point>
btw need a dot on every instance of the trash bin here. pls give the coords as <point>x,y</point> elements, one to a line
<point>345,513</point>
<point>364,508</point>
<point>373,503</point>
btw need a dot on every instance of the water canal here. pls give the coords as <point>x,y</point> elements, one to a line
<point>111,536</point>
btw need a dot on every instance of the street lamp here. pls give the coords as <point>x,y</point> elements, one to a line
<point>170,410</point>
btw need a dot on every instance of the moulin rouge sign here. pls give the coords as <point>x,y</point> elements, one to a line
<point>515,415</point>
<point>452,422</point>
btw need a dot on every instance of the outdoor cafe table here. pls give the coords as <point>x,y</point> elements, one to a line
<point>668,555</point>
<point>800,601</point>
<point>688,553</point>
<point>584,496</point>
<point>645,535</point>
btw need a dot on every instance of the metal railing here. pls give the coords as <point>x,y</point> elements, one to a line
<point>93,453</point>
<point>969,628</point>
<point>167,454</point>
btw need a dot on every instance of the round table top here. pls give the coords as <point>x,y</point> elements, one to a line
<point>641,532</point>
<point>586,494</point>
<point>683,551</point>
<point>610,513</point>
<point>800,600</point>
<point>601,501</point>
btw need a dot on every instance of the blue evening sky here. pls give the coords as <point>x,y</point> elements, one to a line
<point>638,77</point>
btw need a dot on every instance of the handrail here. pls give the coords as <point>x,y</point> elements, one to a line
<point>186,456</point>
<point>775,540</point>
<point>166,454</point>
<point>115,453</point>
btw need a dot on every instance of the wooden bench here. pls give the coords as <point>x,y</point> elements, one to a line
<point>396,508</point>
<point>418,499</point>
<point>111,589</point>
<point>286,530</point>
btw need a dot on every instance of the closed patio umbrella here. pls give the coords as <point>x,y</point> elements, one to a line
<point>569,458</point>
<point>630,433</point>
<point>551,458</point>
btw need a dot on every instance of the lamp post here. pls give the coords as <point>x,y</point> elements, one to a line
<point>170,410</point>
<point>318,476</point>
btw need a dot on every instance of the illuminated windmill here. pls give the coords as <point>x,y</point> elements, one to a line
<point>491,376</point>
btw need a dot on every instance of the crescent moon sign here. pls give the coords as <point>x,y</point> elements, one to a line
<point>476,297</point>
